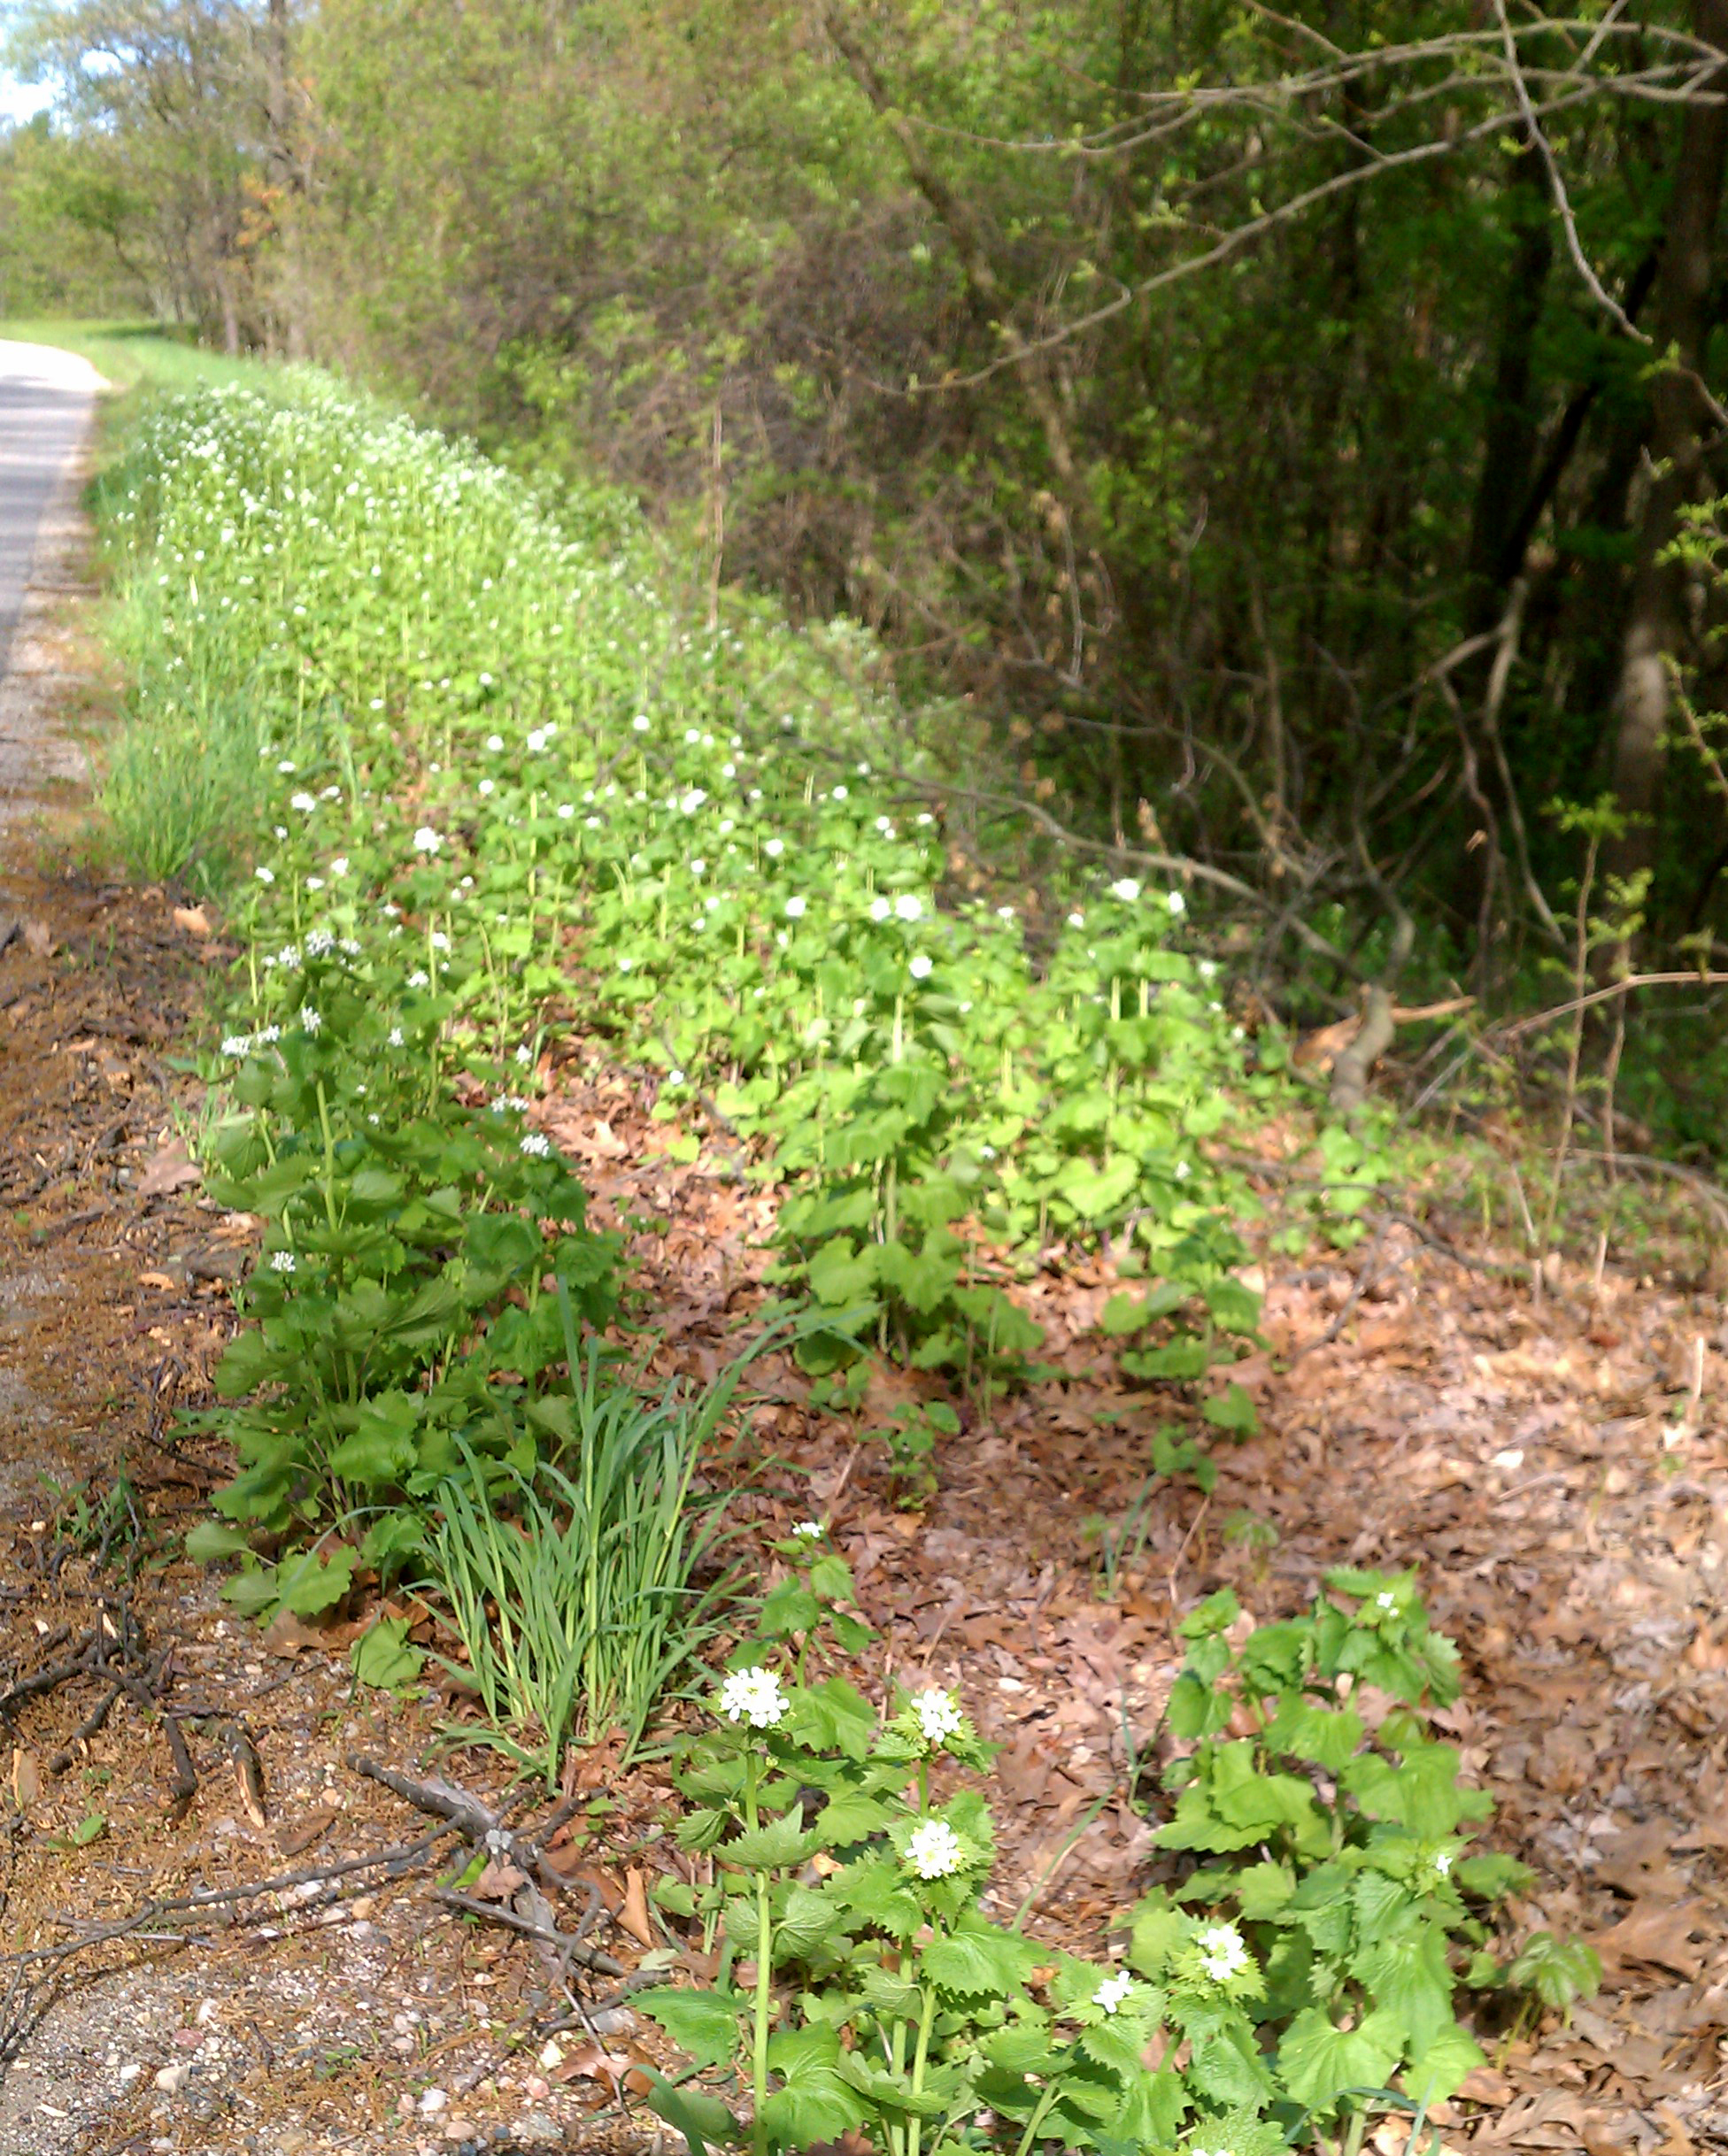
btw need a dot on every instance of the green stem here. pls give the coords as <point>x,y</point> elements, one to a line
<point>758,2047</point>
<point>1037,2120</point>
<point>915,2131</point>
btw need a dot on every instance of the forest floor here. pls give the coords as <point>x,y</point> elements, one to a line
<point>1555,1463</point>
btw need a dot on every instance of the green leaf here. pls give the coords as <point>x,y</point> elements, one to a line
<point>778,1847</point>
<point>382,1656</point>
<point>90,1828</point>
<point>1232,1410</point>
<point>705,2024</point>
<point>1407,1976</point>
<point>211,1541</point>
<point>1438,2070</point>
<point>1317,2061</point>
<point>977,1960</point>
<point>814,2102</point>
<point>704,2121</point>
<point>310,1582</point>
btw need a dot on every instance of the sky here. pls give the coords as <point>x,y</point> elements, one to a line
<point>19,100</point>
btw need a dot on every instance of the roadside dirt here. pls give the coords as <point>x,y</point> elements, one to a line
<point>1558,1468</point>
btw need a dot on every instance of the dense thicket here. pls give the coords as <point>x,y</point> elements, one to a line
<point>1275,421</point>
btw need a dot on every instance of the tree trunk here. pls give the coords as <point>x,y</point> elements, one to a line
<point>1680,417</point>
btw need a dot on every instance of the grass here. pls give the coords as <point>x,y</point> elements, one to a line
<point>575,1594</point>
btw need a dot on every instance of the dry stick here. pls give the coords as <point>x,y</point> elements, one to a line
<point>476,1823</point>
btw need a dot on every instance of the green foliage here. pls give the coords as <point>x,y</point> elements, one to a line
<point>402,1315</point>
<point>573,1587</point>
<point>1335,1847</point>
<point>182,788</point>
<point>498,740</point>
<point>1305,1969</point>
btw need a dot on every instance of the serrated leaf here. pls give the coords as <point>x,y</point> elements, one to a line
<point>1318,2061</point>
<point>705,2024</point>
<point>785,1842</point>
<point>211,1541</point>
<point>976,1959</point>
<point>1440,2070</point>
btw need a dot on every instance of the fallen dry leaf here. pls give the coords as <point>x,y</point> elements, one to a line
<point>26,1780</point>
<point>293,1836</point>
<point>38,939</point>
<point>169,1169</point>
<point>498,1881</point>
<point>634,1917</point>
<point>192,919</point>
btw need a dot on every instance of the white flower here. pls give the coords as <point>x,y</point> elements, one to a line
<point>1385,1601</point>
<point>495,741</point>
<point>287,956</point>
<point>938,1715</point>
<point>692,735</point>
<point>639,724</point>
<point>285,765</point>
<point>438,940</point>
<point>264,876</point>
<point>908,907</point>
<point>1443,1862</point>
<point>935,1851</point>
<point>395,1037</point>
<point>1222,1952</point>
<point>488,786</point>
<point>920,968</point>
<point>1125,888</point>
<point>624,965</point>
<point>1005,913</point>
<point>1183,1170</point>
<point>1077,920</point>
<point>524,1055</point>
<point>839,793</point>
<point>305,803</point>
<point>281,1261</point>
<point>333,793</point>
<point>810,1529</point>
<point>339,866</point>
<point>774,847</point>
<point>675,1077</point>
<point>537,1144</point>
<point>237,1045</point>
<point>795,909</point>
<point>319,940</point>
<point>311,1020</point>
<point>1113,1993</point>
<point>565,810</point>
<point>1176,903</point>
<point>754,1696</point>
<point>427,839</point>
<point>880,909</point>
<point>269,1034</point>
<point>690,803</point>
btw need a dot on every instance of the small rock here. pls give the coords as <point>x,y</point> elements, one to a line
<point>173,2079</point>
<point>537,2131</point>
<point>130,2073</point>
<point>404,2105</point>
<point>433,2102</point>
<point>459,2129</point>
<point>612,2021</point>
<point>551,2057</point>
<point>536,2089</point>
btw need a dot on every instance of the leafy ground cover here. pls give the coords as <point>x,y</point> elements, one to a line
<point>422,926</point>
<point>482,757</point>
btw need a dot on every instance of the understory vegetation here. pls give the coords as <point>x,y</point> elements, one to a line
<point>469,773</point>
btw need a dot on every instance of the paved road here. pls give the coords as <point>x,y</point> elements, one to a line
<point>46,401</point>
